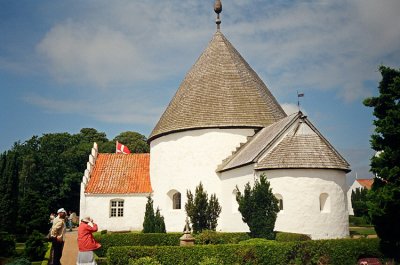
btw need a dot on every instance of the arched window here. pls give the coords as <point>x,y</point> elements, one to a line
<point>324,203</point>
<point>116,208</point>
<point>176,201</point>
<point>280,201</point>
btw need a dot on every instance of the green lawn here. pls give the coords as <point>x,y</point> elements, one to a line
<point>362,230</point>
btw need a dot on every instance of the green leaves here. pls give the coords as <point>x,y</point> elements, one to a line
<point>259,208</point>
<point>384,197</point>
<point>202,212</point>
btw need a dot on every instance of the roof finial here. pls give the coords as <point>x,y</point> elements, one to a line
<point>218,9</point>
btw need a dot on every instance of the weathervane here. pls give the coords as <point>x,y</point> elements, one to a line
<point>218,9</point>
<point>299,95</point>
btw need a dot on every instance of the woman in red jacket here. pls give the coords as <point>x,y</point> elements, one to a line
<point>86,242</point>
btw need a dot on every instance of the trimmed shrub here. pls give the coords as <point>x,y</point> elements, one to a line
<point>254,241</point>
<point>285,237</point>
<point>144,261</point>
<point>211,261</point>
<point>338,251</point>
<point>35,246</point>
<point>7,244</point>
<point>214,238</point>
<point>135,239</point>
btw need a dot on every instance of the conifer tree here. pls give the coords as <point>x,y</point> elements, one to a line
<point>159,224</point>
<point>384,196</point>
<point>149,218</point>
<point>359,202</point>
<point>259,208</point>
<point>9,181</point>
<point>202,212</point>
<point>153,222</point>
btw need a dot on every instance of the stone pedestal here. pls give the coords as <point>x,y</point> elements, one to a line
<point>187,239</point>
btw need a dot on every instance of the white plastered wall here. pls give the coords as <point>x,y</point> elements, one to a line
<point>98,208</point>
<point>354,186</point>
<point>179,161</point>
<point>301,190</point>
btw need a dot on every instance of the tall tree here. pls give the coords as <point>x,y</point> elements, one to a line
<point>359,202</point>
<point>148,222</point>
<point>136,142</point>
<point>202,212</point>
<point>384,197</point>
<point>153,222</point>
<point>259,208</point>
<point>9,182</point>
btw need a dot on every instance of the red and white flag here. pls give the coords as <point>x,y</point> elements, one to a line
<point>121,149</point>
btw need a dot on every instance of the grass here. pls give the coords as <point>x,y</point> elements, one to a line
<point>362,230</point>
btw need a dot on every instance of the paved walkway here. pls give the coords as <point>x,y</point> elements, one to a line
<point>70,251</point>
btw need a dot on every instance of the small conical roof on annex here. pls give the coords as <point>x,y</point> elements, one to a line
<point>221,90</point>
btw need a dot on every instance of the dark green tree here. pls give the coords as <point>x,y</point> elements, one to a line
<point>9,187</point>
<point>159,224</point>
<point>136,142</point>
<point>384,196</point>
<point>359,202</point>
<point>153,222</point>
<point>202,212</point>
<point>259,208</point>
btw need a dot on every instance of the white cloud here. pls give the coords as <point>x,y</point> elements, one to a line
<point>111,109</point>
<point>296,45</point>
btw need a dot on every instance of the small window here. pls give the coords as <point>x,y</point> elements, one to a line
<point>324,203</point>
<point>176,201</point>
<point>116,208</point>
<point>280,201</point>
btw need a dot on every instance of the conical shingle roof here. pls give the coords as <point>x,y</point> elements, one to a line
<point>220,91</point>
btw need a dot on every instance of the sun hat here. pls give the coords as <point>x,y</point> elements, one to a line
<point>61,210</point>
<point>87,219</point>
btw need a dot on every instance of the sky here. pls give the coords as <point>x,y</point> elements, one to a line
<point>115,65</point>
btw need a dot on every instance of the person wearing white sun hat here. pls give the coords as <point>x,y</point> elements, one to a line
<point>57,234</point>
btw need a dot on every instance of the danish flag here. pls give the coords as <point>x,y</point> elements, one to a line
<point>121,149</point>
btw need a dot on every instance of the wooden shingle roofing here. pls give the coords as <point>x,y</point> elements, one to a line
<point>221,90</point>
<point>120,174</point>
<point>303,147</point>
<point>292,142</point>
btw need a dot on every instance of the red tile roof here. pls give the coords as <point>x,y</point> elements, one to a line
<point>120,174</point>
<point>367,183</point>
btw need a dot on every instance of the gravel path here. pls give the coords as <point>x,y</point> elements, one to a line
<point>70,251</point>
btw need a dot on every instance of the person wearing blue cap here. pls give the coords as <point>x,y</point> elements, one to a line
<point>57,234</point>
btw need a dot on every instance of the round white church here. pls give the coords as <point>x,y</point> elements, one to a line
<point>223,128</point>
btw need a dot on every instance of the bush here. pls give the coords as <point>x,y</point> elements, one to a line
<point>19,261</point>
<point>135,239</point>
<point>359,221</point>
<point>212,237</point>
<point>285,237</point>
<point>211,261</point>
<point>35,246</point>
<point>254,241</point>
<point>337,251</point>
<point>7,244</point>
<point>144,261</point>
<point>259,208</point>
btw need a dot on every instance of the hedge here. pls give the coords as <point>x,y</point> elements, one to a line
<point>215,238</point>
<point>135,239</point>
<point>338,251</point>
<point>285,237</point>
